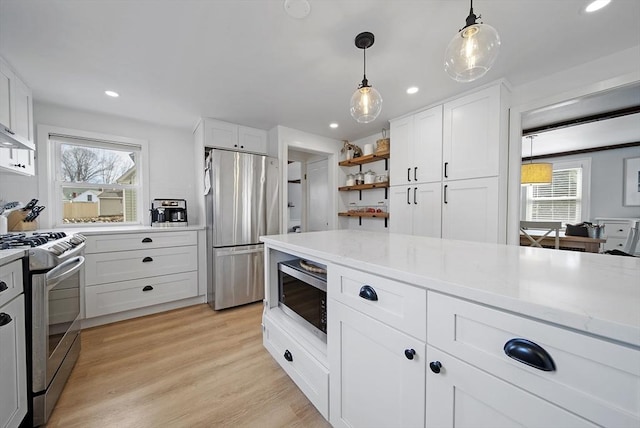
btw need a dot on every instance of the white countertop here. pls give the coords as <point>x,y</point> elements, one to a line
<point>595,293</point>
<point>7,256</point>
<point>103,230</point>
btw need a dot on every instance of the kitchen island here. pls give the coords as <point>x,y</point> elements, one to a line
<point>443,342</point>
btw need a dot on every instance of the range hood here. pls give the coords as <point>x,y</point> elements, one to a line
<point>10,140</point>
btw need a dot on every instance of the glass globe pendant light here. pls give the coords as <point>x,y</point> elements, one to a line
<point>366,102</point>
<point>472,51</point>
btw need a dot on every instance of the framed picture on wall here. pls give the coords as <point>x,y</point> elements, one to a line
<point>631,171</point>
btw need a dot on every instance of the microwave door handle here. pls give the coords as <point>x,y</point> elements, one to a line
<point>63,271</point>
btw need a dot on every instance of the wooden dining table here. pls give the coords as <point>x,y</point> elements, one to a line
<point>577,243</point>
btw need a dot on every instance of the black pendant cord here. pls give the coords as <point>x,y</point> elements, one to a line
<point>365,82</point>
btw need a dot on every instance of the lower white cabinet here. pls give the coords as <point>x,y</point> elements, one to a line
<point>127,271</point>
<point>616,231</point>
<point>377,372</point>
<point>416,209</point>
<point>461,395</point>
<point>13,360</point>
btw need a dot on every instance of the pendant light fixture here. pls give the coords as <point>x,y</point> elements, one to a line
<point>535,173</point>
<point>472,51</point>
<point>366,102</point>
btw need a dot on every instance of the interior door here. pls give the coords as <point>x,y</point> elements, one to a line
<point>317,196</point>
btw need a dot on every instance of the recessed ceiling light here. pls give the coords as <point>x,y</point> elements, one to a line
<point>297,8</point>
<point>112,94</point>
<point>6,143</point>
<point>596,5</point>
<point>412,90</point>
<point>333,125</point>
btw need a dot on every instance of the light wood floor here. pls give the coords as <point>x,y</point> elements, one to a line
<point>190,367</point>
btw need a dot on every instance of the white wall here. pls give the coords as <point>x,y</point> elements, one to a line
<point>171,153</point>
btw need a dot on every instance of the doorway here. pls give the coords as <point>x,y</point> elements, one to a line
<point>307,192</point>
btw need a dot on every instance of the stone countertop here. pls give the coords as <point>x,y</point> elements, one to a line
<point>7,256</point>
<point>594,293</point>
<point>103,230</point>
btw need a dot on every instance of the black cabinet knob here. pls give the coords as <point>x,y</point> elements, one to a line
<point>147,288</point>
<point>288,356</point>
<point>409,353</point>
<point>4,319</point>
<point>435,366</point>
<point>147,240</point>
<point>367,292</point>
<point>3,286</point>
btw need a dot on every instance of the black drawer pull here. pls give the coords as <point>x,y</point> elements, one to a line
<point>288,356</point>
<point>147,288</point>
<point>367,292</point>
<point>147,240</point>
<point>435,366</point>
<point>3,286</point>
<point>409,353</point>
<point>4,319</point>
<point>529,353</point>
<point>147,260</point>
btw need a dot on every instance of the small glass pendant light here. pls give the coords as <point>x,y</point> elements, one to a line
<point>472,51</point>
<point>366,102</point>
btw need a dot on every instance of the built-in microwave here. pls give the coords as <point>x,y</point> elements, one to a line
<point>303,296</point>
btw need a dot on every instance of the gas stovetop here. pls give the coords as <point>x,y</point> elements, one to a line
<point>45,249</point>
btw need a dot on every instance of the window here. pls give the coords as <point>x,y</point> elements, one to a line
<point>95,179</point>
<point>565,199</point>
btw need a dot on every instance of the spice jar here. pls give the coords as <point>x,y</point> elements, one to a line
<point>351,180</point>
<point>360,178</point>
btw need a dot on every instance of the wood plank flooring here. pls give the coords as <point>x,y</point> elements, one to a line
<point>189,367</point>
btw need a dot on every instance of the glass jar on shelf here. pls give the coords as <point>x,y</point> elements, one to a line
<point>351,180</point>
<point>359,178</point>
<point>369,177</point>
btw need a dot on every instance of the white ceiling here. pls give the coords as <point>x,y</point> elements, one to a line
<point>248,62</point>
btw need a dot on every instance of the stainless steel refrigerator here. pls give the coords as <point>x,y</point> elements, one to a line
<point>242,205</point>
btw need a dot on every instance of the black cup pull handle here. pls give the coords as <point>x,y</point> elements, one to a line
<point>147,240</point>
<point>147,260</point>
<point>435,366</point>
<point>3,286</point>
<point>288,356</point>
<point>147,288</point>
<point>409,353</point>
<point>529,353</point>
<point>4,319</point>
<point>367,292</point>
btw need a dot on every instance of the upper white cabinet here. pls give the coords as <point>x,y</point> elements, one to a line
<point>16,120</point>
<point>417,148</point>
<point>461,147</point>
<point>230,136</point>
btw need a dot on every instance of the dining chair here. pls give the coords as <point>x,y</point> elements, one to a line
<point>541,226</point>
<point>629,247</point>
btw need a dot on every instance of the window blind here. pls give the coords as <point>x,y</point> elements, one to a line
<point>559,201</point>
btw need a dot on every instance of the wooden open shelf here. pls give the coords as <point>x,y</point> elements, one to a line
<point>363,214</point>
<point>365,159</point>
<point>365,186</point>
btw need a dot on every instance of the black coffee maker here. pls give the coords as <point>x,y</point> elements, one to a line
<point>169,212</point>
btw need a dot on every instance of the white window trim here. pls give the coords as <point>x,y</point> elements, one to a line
<point>46,158</point>
<point>585,164</point>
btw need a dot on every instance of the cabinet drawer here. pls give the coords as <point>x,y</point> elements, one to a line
<point>11,276</point>
<point>617,229</point>
<point>307,372</point>
<point>139,241</point>
<point>398,304</point>
<point>126,295</point>
<point>594,378</point>
<point>614,243</point>
<point>124,265</point>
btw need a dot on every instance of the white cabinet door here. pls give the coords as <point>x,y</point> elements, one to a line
<point>372,382</point>
<point>221,134</point>
<point>471,144</point>
<point>13,360</point>
<point>21,161</point>
<point>27,162</point>
<point>6,76</point>
<point>402,209</point>
<point>402,138</point>
<point>427,215</point>
<point>471,210</point>
<point>463,396</point>
<point>427,146</point>
<point>22,124</point>
<point>252,140</point>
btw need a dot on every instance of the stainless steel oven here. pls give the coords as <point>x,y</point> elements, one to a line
<point>303,296</point>
<point>55,332</point>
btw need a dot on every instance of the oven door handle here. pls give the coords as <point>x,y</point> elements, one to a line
<point>63,271</point>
